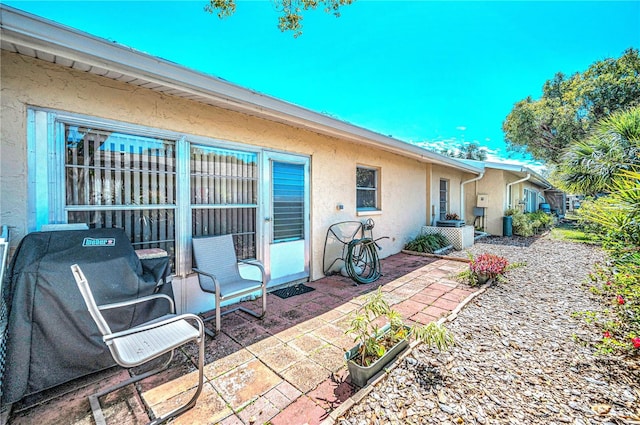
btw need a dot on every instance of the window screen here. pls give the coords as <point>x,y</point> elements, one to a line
<point>288,201</point>
<point>121,180</point>
<point>224,195</point>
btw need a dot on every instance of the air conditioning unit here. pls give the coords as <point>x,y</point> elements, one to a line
<point>449,223</point>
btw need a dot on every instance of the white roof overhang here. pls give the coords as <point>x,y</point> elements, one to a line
<point>521,171</point>
<point>32,36</point>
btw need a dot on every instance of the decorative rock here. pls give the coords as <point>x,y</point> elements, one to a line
<point>447,409</point>
<point>518,357</point>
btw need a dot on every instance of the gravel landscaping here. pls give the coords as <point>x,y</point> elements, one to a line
<point>520,357</point>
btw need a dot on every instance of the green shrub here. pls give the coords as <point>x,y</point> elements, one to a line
<point>522,226</point>
<point>617,218</point>
<point>427,243</point>
<point>526,224</point>
<point>542,217</point>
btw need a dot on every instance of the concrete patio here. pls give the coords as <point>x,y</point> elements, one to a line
<point>288,368</point>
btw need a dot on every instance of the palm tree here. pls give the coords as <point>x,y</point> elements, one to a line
<point>590,166</point>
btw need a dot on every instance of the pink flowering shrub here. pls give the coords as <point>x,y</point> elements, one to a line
<point>489,265</point>
<point>485,267</point>
<point>619,287</point>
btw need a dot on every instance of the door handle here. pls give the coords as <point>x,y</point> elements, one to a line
<point>267,219</point>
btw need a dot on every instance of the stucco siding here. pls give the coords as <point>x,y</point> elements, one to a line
<point>31,82</point>
<point>492,184</point>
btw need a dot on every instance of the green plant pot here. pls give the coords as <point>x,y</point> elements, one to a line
<point>360,375</point>
<point>482,279</point>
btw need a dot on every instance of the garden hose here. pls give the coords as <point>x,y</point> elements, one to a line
<point>362,262</point>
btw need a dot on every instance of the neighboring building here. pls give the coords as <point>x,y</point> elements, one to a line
<point>503,186</point>
<point>94,132</point>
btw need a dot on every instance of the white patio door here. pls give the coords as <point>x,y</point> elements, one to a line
<point>286,220</point>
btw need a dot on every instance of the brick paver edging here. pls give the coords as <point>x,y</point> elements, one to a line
<point>384,373</point>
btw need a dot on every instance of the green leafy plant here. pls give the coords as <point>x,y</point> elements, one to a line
<point>540,219</point>
<point>374,343</point>
<point>522,226</point>
<point>527,224</point>
<point>427,243</point>
<point>616,217</point>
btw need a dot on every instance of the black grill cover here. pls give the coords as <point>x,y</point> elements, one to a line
<point>51,336</point>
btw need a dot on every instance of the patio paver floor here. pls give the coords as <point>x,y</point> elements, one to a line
<point>287,368</point>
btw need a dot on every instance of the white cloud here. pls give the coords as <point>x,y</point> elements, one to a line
<point>461,128</point>
<point>493,155</point>
<point>536,166</point>
<point>437,145</point>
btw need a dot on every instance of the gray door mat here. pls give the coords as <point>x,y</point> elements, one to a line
<point>292,291</point>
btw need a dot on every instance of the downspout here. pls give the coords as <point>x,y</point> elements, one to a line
<point>462,193</point>
<point>509,189</point>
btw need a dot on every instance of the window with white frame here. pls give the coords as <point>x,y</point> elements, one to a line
<point>444,198</point>
<point>162,188</point>
<point>367,189</point>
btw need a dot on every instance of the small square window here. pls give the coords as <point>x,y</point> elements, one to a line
<point>367,185</point>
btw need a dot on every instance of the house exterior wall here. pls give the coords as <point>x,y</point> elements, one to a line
<point>493,185</point>
<point>30,82</point>
<point>517,193</point>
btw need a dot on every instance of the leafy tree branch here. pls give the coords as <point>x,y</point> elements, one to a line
<point>570,107</point>
<point>291,11</point>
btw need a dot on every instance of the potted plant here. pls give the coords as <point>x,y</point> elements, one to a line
<point>377,345</point>
<point>485,267</point>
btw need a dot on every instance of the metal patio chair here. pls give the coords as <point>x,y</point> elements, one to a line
<point>143,343</point>
<point>218,273</point>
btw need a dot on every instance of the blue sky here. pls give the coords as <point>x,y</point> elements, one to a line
<point>421,71</point>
